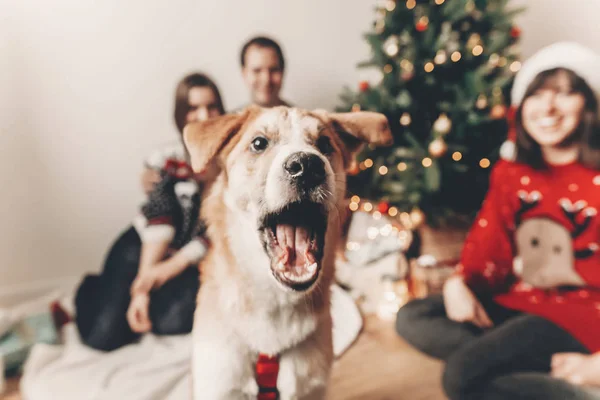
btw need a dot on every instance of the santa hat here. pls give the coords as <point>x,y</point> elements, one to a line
<point>570,55</point>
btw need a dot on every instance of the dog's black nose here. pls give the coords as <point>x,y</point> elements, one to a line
<point>308,170</point>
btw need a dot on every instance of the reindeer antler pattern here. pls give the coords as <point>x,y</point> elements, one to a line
<point>528,202</point>
<point>572,211</point>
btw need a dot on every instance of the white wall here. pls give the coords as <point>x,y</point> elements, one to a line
<point>86,92</point>
<point>548,21</point>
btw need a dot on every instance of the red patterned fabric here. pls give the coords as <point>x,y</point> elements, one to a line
<point>566,198</point>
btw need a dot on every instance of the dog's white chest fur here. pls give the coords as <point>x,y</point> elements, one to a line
<point>233,325</point>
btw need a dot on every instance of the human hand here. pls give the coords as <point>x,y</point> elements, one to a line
<point>137,313</point>
<point>577,368</point>
<point>462,305</point>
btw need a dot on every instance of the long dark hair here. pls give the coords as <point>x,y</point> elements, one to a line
<point>182,92</point>
<point>586,135</point>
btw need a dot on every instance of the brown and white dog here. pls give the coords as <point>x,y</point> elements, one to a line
<point>273,221</point>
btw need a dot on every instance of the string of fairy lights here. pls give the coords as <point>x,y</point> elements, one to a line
<point>443,124</point>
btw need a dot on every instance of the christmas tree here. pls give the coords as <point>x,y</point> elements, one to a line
<point>441,71</point>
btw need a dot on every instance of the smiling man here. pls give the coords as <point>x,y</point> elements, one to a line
<point>263,66</point>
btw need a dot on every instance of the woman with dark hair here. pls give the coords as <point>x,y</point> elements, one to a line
<point>197,98</point>
<point>150,277</point>
<point>528,284</point>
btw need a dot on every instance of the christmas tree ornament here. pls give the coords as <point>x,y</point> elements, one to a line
<point>474,40</point>
<point>437,147</point>
<point>484,163</point>
<point>363,86</point>
<point>390,5</point>
<point>355,107</point>
<point>405,64</point>
<point>391,46</point>
<point>405,119</point>
<point>440,57</point>
<point>383,207</point>
<point>407,72</point>
<point>443,60</point>
<point>417,217</point>
<point>406,75</point>
<point>498,111</point>
<point>442,124</point>
<point>481,102</point>
<point>515,66</point>
<point>515,32</point>
<point>422,24</point>
<point>493,60</point>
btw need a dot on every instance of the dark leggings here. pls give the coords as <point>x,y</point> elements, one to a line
<point>509,361</point>
<point>102,301</point>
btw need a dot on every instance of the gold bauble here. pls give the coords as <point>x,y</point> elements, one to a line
<point>438,147</point>
<point>442,124</point>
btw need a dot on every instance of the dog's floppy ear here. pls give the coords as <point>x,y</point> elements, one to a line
<point>205,139</point>
<point>355,129</point>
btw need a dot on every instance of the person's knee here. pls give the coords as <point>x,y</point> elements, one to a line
<point>459,379</point>
<point>410,318</point>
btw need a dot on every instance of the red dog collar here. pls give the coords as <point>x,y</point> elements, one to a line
<point>267,369</point>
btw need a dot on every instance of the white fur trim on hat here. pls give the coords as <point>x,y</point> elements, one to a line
<point>571,55</point>
<point>508,150</point>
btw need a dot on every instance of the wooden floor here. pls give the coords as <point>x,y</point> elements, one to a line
<point>381,366</point>
<point>378,366</point>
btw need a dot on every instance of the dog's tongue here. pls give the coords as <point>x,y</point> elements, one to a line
<point>294,242</point>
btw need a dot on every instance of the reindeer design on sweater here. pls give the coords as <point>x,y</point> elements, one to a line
<point>546,255</point>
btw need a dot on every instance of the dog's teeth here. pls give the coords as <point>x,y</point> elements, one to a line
<point>280,266</point>
<point>312,267</point>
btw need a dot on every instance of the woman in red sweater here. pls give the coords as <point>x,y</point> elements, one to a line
<point>528,285</point>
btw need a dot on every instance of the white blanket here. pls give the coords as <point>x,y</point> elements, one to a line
<point>158,367</point>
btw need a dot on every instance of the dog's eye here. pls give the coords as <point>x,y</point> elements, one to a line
<point>324,145</point>
<point>259,144</point>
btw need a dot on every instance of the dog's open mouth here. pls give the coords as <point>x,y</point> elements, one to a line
<point>294,239</point>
